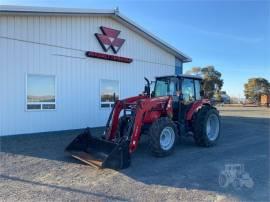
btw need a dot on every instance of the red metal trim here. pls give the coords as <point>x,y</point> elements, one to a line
<point>115,118</point>
<point>103,56</point>
<point>195,107</point>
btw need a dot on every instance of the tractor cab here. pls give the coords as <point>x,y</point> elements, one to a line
<point>184,89</point>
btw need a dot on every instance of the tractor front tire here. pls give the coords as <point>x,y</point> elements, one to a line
<point>206,126</point>
<point>162,133</point>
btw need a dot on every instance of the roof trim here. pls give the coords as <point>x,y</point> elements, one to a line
<point>26,10</point>
<point>6,9</point>
<point>183,76</point>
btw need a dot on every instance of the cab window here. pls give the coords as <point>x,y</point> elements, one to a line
<point>188,90</point>
<point>197,89</point>
<point>165,87</point>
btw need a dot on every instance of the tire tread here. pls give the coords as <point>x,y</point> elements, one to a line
<point>154,135</point>
<point>199,121</point>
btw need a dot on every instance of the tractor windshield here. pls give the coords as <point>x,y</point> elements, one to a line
<point>164,87</point>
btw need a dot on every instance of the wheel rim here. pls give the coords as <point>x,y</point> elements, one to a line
<point>167,138</point>
<point>212,127</point>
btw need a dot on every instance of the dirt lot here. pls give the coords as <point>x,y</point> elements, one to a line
<point>35,168</point>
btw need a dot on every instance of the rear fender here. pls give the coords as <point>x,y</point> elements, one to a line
<point>195,107</point>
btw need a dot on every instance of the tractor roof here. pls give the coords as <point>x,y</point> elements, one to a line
<point>181,76</point>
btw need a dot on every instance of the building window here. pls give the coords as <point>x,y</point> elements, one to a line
<point>40,92</point>
<point>109,93</point>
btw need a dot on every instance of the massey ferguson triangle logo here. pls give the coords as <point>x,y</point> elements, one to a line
<point>109,39</point>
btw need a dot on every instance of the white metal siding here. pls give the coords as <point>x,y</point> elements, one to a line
<point>56,46</point>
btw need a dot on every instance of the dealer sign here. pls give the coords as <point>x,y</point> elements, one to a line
<point>108,57</point>
<point>109,40</point>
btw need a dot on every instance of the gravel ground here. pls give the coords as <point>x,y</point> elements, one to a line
<point>35,168</point>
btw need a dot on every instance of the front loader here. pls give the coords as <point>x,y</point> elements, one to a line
<point>174,108</point>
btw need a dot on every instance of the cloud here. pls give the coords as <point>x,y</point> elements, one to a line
<point>255,71</point>
<point>225,36</point>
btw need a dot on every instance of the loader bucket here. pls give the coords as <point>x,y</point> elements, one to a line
<point>98,152</point>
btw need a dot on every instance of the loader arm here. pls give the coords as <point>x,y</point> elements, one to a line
<point>112,123</point>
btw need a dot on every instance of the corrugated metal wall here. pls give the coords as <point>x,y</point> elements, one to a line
<point>55,45</point>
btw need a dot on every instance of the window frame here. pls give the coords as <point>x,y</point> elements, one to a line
<point>41,103</point>
<point>110,103</point>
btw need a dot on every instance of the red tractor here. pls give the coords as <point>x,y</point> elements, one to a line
<point>174,108</point>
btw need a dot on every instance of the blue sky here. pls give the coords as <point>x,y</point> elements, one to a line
<point>234,36</point>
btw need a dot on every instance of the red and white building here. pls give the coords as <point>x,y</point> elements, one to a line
<point>61,69</point>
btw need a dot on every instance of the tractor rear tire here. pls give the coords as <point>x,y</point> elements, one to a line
<point>162,133</point>
<point>206,126</point>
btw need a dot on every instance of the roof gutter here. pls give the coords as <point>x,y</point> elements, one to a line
<point>5,9</point>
